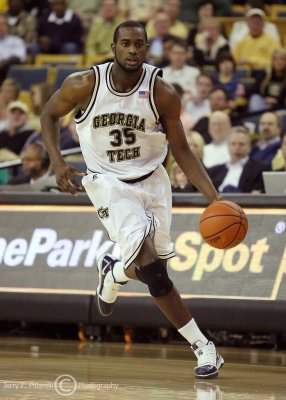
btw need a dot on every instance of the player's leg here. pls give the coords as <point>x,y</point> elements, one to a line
<point>152,271</point>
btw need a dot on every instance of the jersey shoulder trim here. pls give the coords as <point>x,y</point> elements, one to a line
<point>80,117</point>
<point>154,74</point>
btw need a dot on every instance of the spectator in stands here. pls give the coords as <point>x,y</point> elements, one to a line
<point>37,8</point>
<point>189,9</point>
<point>216,152</point>
<point>205,10</point>
<point>12,49</point>
<point>168,41</point>
<point>226,79</point>
<point>21,23</point>
<point>240,173</point>
<point>59,32</point>
<point>101,31</point>
<point>219,101</point>
<point>17,133</point>
<point>3,6</point>
<point>140,11</point>
<point>179,71</point>
<point>179,181</point>
<point>240,28</point>
<point>256,48</point>
<point>162,25</point>
<point>270,138</point>
<point>35,165</point>
<point>272,88</point>
<point>282,150</point>
<point>186,118</point>
<point>9,91</point>
<point>40,94</point>
<point>178,28</point>
<point>209,43</point>
<point>86,10</point>
<point>196,143</point>
<point>278,162</point>
<point>199,106</point>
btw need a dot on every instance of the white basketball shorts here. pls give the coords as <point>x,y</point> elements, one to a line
<point>132,211</point>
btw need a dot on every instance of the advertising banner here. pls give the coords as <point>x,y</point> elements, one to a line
<point>50,249</point>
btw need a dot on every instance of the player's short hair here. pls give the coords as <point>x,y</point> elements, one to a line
<point>129,24</point>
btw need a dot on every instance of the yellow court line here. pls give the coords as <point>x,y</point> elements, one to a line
<point>175,210</point>
<point>123,294</point>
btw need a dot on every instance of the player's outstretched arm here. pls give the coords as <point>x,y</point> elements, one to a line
<point>75,91</point>
<point>169,108</point>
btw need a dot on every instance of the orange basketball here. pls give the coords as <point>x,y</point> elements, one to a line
<point>223,224</point>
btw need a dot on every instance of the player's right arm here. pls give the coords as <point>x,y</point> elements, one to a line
<point>75,91</point>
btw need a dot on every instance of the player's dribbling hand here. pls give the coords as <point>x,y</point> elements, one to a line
<point>66,181</point>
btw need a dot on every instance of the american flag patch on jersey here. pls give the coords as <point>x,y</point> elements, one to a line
<point>144,94</point>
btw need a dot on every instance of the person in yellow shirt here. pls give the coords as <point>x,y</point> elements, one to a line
<point>178,28</point>
<point>256,48</point>
<point>3,6</point>
<point>101,31</point>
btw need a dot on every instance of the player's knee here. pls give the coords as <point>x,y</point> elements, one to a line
<point>156,277</point>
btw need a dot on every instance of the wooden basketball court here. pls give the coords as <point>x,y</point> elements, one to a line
<point>55,369</point>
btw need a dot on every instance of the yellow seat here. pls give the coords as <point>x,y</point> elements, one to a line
<point>56,60</point>
<point>94,59</point>
<point>27,75</point>
<point>25,96</point>
<point>277,11</point>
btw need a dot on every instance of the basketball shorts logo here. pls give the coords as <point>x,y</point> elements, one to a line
<point>103,213</point>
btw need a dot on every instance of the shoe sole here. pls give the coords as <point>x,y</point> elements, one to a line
<point>219,365</point>
<point>99,287</point>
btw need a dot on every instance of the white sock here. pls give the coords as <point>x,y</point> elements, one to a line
<point>192,333</point>
<point>119,272</point>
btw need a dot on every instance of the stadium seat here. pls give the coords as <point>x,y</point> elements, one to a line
<point>28,75</point>
<point>57,60</point>
<point>242,71</point>
<point>278,11</point>
<point>92,59</point>
<point>62,73</point>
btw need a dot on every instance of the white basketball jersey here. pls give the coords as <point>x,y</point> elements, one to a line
<point>120,133</point>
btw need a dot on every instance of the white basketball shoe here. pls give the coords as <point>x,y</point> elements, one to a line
<point>107,289</point>
<point>209,360</point>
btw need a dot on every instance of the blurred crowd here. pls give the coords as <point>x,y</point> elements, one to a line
<point>226,60</point>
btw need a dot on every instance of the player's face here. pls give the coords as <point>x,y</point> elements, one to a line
<point>130,49</point>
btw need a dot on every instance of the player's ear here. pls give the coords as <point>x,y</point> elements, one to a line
<point>113,48</point>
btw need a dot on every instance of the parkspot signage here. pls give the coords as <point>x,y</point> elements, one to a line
<point>57,247</point>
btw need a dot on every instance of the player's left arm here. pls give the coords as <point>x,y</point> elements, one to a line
<point>169,107</point>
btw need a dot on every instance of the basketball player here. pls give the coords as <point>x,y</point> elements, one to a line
<point>126,116</point>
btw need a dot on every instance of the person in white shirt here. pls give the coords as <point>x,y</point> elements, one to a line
<point>178,71</point>
<point>241,173</point>
<point>13,48</point>
<point>199,106</point>
<point>217,152</point>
